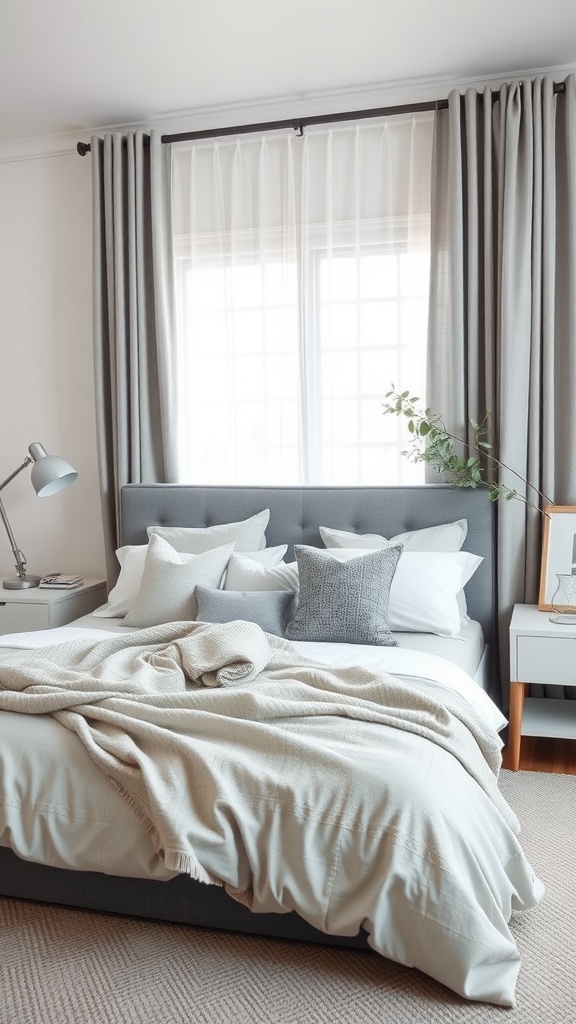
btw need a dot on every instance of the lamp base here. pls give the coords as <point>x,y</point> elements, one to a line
<point>21,582</point>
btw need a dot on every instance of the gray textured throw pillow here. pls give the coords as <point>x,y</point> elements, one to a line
<point>270,609</point>
<point>344,602</point>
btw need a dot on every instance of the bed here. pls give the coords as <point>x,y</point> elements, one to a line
<point>144,886</point>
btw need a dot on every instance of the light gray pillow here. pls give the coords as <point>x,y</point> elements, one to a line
<point>270,609</point>
<point>169,580</point>
<point>344,602</point>
<point>247,535</point>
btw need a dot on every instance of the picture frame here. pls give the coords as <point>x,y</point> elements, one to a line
<point>558,550</point>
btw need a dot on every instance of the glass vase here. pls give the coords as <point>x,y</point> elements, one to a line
<point>564,599</point>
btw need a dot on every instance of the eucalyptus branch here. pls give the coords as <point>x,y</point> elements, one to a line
<point>432,442</point>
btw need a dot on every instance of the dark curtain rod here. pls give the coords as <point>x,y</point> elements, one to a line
<point>298,124</point>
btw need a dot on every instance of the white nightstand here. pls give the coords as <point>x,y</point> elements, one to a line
<point>24,610</point>
<point>540,652</point>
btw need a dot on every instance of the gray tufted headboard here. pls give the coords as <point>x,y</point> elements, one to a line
<point>297,512</point>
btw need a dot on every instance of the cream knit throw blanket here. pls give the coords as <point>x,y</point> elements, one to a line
<point>153,706</point>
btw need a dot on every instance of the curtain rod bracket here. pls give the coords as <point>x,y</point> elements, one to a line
<point>298,127</point>
<point>82,148</point>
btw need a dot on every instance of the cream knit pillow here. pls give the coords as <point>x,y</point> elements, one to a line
<point>169,581</point>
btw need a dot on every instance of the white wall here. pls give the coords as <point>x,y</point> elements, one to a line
<point>46,382</point>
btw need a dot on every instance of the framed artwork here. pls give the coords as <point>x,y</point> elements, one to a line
<point>558,550</point>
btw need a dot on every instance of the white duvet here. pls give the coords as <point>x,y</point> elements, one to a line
<point>433,873</point>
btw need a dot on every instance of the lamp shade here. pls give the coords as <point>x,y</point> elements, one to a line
<point>50,473</point>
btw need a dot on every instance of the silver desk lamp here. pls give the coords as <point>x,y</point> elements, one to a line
<point>49,475</point>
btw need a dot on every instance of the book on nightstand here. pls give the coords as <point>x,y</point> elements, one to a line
<point>58,581</point>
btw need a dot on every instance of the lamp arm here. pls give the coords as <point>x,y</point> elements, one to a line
<point>26,462</point>
<point>20,560</point>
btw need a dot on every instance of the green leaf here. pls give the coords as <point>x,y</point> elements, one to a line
<point>424,428</point>
<point>484,444</point>
<point>411,426</point>
<point>474,425</point>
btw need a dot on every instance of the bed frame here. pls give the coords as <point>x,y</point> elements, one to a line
<point>295,515</point>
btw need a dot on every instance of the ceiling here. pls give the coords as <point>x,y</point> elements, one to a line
<point>74,65</point>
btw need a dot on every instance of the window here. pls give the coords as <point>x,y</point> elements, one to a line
<point>294,315</point>
<point>240,372</point>
<point>372,310</point>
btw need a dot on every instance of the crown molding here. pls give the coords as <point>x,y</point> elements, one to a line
<point>275,108</point>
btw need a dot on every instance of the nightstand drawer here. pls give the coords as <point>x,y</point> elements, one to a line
<point>549,660</point>
<point>17,618</point>
<point>23,611</point>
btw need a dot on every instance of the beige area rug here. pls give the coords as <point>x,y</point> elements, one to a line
<point>61,966</point>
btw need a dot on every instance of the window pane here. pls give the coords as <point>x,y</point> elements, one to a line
<point>339,278</point>
<point>379,324</point>
<point>364,326</point>
<point>414,273</point>
<point>206,288</point>
<point>246,282</point>
<point>378,276</point>
<point>338,325</point>
<point>281,330</point>
<point>374,371</point>
<point>247,331</point>
<point>340,374</point>
<point>280,284</point>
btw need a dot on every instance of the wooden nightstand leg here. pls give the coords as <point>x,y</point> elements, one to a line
<point>517,694</point>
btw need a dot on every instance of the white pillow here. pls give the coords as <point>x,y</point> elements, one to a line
<point>248,535</point>
<point>424,590</point>
<point>169,580</point>
<point>121,597</point>
<point>132,558</point>
<point>446,537</point>
<point>245,574</point>
<point>267,556</point>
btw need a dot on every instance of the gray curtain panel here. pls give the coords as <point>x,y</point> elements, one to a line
<point>133,312</point>
<point>502,322</point>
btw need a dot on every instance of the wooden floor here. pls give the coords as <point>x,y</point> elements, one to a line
<point>546,755</point>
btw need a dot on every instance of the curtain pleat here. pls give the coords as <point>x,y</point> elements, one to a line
<point>502,331</point>
<point>132,319</point>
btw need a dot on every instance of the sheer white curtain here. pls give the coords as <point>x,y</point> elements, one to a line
<point>301,267</point>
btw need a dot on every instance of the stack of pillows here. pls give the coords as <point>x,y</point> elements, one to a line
<point>360,588</point>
